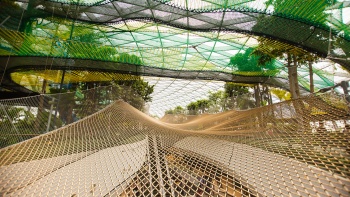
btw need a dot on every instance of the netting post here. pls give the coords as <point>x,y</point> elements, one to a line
<point>292,76</point>
<point>345,86</point>
<point>59,95</point>
<point>295,76</point>
<point>257,95</point>
<point>311,73</point>
<point>50,115</point>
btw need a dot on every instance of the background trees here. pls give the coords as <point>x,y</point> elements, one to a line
<point>176,110</point>
<point>75,102</point>
<point>234,96</point>
<point>16,124</point>
<point>268,50</point>
<point>135,92</point>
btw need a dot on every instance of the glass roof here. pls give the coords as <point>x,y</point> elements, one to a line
<point>193,39</point>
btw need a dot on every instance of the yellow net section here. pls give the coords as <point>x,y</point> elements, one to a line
<point>294,148</point>
<point>34,79</point>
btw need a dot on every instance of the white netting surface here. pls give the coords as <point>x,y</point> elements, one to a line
<point>294,148</point>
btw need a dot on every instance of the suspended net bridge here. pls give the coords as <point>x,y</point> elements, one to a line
<point>91,94</point>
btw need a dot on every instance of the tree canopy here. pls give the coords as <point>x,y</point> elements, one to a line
<point>131,59</point>
<point>248,62</point>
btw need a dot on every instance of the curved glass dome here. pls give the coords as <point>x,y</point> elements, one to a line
<point>177,39</point>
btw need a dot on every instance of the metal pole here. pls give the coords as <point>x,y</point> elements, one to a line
<point>311,73</point>
<point>64,71</point>
<point>50,115</point>
<point>345,86</point>
<point>59,95</point>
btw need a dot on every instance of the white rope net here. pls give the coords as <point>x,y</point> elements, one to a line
<point>294,148</point>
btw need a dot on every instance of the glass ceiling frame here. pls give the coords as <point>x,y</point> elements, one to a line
<point>140,29</point>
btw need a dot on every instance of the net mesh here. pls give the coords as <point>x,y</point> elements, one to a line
<point>293,148</point>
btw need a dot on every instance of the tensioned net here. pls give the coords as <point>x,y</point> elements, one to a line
<point>293,148</point>
<point>91,143</point>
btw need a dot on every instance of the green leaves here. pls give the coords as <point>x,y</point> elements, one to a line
<point>252,61</point>
<point>232,89</point>
<point>143,89</point>
<point>176,110</point>
<point>130,59</point>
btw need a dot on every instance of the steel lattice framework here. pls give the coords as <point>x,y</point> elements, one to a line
<point>180,39</point>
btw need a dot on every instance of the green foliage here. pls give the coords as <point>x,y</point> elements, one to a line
<point>315,11</point>
<point>179,110</point>
<point>217,101</point>
<point>143,89</point>
<point>234,96</point>
<point>238,97</point>
<point>17,127</point>
<point>193,108</point>
<point>312,10</point>
<point>244,102</point>
<point>266,58</point>
<point>176,110</point>
<point>108,51</point>
<point>203,105</point>
<point>232,89</point>
<point>198,107</point>
<point>248,62</point>
<point>169,111</point>
<point>135,92</point>
<point>130,59</point>
<point>216,97</point>
<point>85,35</point>
<point>66,105</point>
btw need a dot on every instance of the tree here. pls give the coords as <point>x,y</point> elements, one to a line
<point>179,110</point>
<point>143,89</point>
<point>302,9</point>
<point>81,104</point>
<point>169,111</point>
<point>245,101</point>
<point>269,50</point>
<point>66,104</point>
<point>193,108</point>
<point>217,101</point>
<point>130,59</point>
<point>136,92</point>
<point>203,105</point>
<point>176,110</point>
<point>237,96</point>
<point>16,124</point>
<point>233,89</point>
<point>249,62</point>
